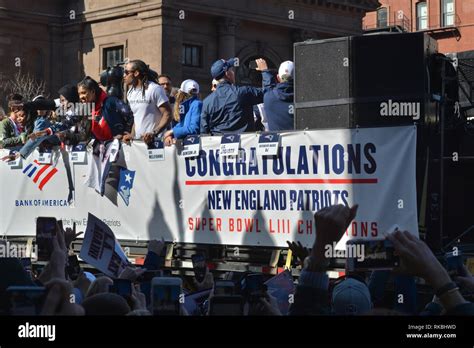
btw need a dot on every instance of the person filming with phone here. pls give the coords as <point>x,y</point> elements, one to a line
<point>229,109</point>
<point>279,95</point>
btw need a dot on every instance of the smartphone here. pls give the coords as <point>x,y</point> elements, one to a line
<point>199,266</point>
<point>122,287</point>
<point>224,288</point>
<point>454,264</point>
<point>45,232</point>
<point>149,275</point>
<point>26,300</point>
<point>253,65</point>
<point>27,266</point>
<point>252,287</point>
<point>370,255</point>
<point>26,263</point>
<point>145,283</point>
<point>226,305</point>
<point>73,267</point>
<point>165,295</point>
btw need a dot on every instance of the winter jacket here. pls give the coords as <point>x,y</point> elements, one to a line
<point>189,123</point>
<point>278,103</point>
<point>107,121</point>
<point>229,109</point>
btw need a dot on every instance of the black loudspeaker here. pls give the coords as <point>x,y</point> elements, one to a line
<point>367,81</point>
<point>464,62</point>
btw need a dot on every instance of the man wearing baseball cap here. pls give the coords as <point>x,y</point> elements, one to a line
<point>229,109</point>
<point>279,95</point>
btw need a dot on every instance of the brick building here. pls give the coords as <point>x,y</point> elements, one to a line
<point>451,22</point>
<point>60,41</point>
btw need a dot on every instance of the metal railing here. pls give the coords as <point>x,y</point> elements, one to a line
<point>442,22</point>
<point>396,19</point>
<point>403,23</point>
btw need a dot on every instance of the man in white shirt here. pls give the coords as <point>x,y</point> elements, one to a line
<point>148,101</point>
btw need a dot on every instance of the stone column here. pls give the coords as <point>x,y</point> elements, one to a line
<point>226,28</point>
<point>172,45</point>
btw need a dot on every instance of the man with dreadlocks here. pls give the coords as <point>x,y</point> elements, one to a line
<point>148,101</point>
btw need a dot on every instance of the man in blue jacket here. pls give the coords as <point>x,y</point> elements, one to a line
<point>229,109</point>
<point>279,95</point>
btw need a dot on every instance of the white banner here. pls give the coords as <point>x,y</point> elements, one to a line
<point>245,200</point>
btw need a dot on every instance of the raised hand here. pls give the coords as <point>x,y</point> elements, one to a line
<point>298,250</point>
<point>60,299</point>
<point>70,235</point>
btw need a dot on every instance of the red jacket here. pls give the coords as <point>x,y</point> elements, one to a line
<point>100,129</point>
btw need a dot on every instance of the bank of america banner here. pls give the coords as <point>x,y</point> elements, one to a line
<point>224,196</point>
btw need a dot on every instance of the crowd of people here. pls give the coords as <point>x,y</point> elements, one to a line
<point>152,108</point>
<point>355,293</point>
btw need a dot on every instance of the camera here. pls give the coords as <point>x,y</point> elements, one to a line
<point>112,80</point>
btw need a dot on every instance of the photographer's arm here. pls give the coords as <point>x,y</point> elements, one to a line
<point>269,80</point>
<point>417,259</point>
<point>311,295</point>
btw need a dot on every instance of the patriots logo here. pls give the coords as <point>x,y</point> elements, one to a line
<point>192,139</point>
<point>79,147</point>
<point>230,137</point>
<point>127,177</point>
<point>44,173</point>
<point>269,137</point>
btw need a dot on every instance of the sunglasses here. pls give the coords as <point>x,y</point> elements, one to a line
<point>165,84</point>
<point>126,72</point>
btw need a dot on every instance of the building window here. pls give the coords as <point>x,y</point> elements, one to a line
<point>111,56</point>
<point>382,17</point>
<point>448,13</point>
<point>192,56</point>
<point>421,16</point>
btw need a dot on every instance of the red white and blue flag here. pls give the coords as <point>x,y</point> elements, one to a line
<point>41,174</point>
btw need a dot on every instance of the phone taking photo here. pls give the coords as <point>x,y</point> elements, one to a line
<point>165,295</point>
<point>226,305</point>
<point>455,264</point>
<point>145,283</point>
<point>224,288</point>
<point>370,255</point>
<point>199,266</point>
<point>45,232</point>
<point>253,287</point>
<point>122,287</point>
<point>26,300</point>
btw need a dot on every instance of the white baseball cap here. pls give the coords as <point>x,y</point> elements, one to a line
<point>286,68</point>
<point>188,85</point>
